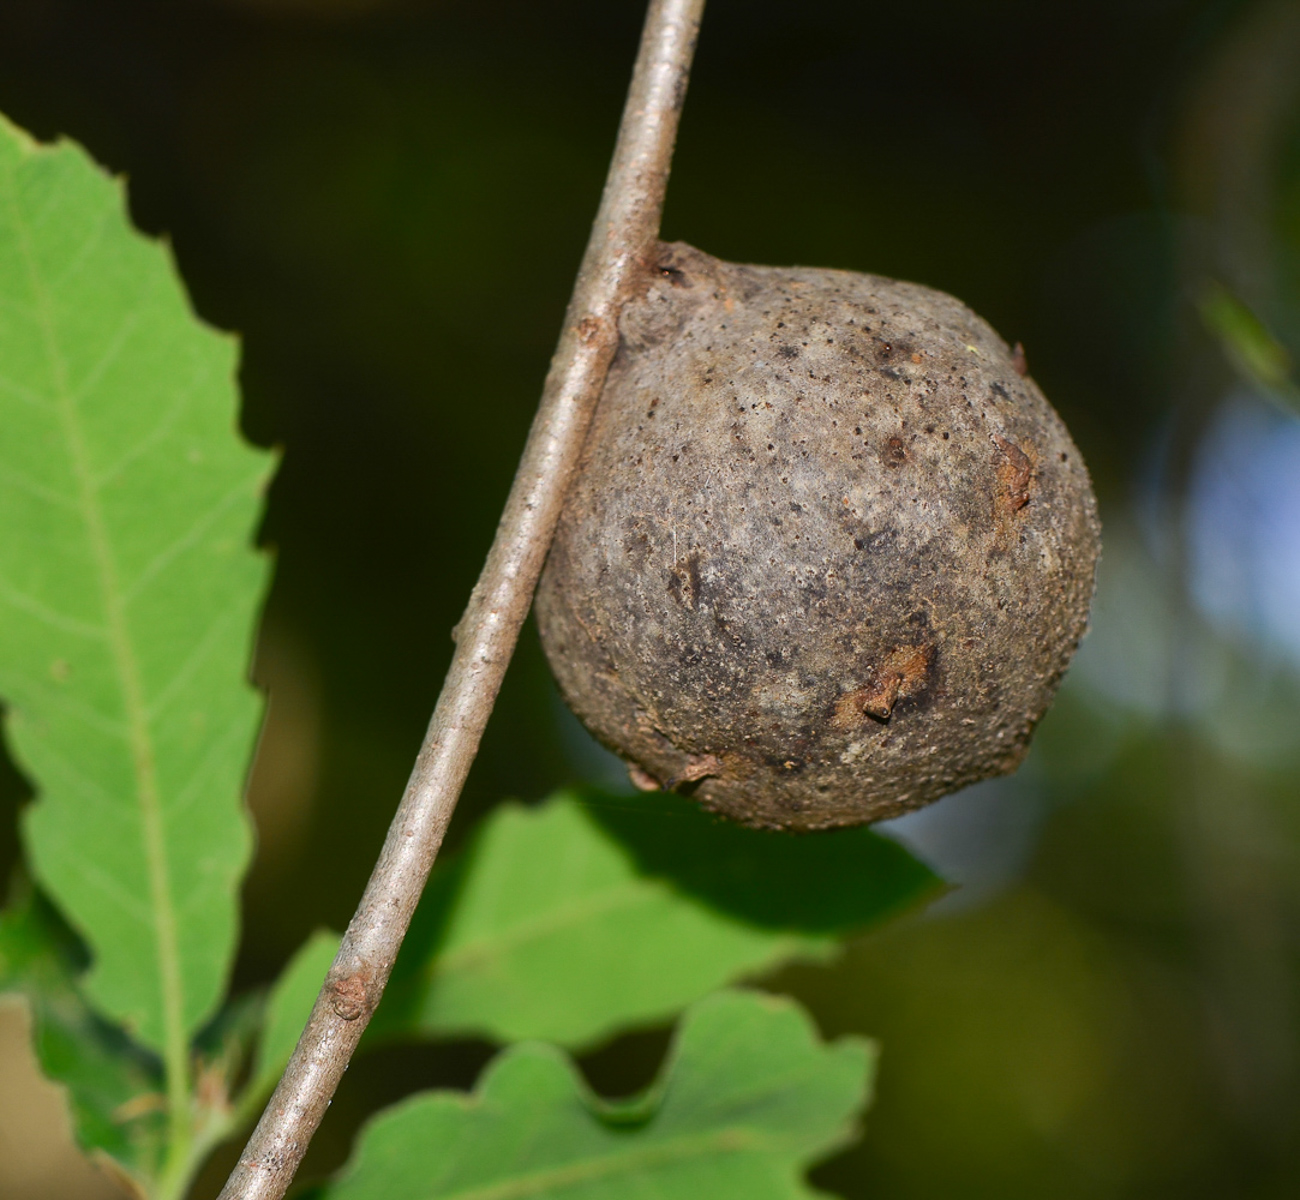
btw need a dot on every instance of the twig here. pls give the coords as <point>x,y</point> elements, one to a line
<point>618,256</point>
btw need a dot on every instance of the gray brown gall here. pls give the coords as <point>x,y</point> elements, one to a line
<point>829,552</point>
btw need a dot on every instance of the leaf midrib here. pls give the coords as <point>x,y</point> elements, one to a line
<point>622,1162</point>
<point>492,944</point>
<point>121,647</point>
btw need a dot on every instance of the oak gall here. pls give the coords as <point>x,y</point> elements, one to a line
<point>829,552</point>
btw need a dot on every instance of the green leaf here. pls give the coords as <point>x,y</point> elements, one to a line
<point>546,930</point>
<point>549,927</point>
<point>114,1088</point>
<point>750,1097</point>
<point>839,881</point>
<point>127,591</point>
<point>287,1010</point>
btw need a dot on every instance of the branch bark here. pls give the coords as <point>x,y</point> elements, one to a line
<point>618,255</point>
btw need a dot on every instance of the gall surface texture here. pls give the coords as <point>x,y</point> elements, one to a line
<point>829,552</point>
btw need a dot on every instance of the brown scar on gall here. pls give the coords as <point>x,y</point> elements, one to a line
<point>1015,474</point>
<point>698,766</point>
<point>903,673</point>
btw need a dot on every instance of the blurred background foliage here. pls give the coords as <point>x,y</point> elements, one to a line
<point>388,199</point>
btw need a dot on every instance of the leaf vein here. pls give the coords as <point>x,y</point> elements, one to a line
<point>202,647</point>
<point>625,1162</point>
<point>493,943</point>
<point>184,541</point>
<point>111,353</point>
<point>25,394</point>
<point>49,616</point>
<point>54,697</point>
<point>153,437</point>
<point>19,481</point>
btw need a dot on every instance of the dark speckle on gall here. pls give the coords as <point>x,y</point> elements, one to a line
<point>899,634</point>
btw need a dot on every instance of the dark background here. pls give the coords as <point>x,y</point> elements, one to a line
<point>388,201</point>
